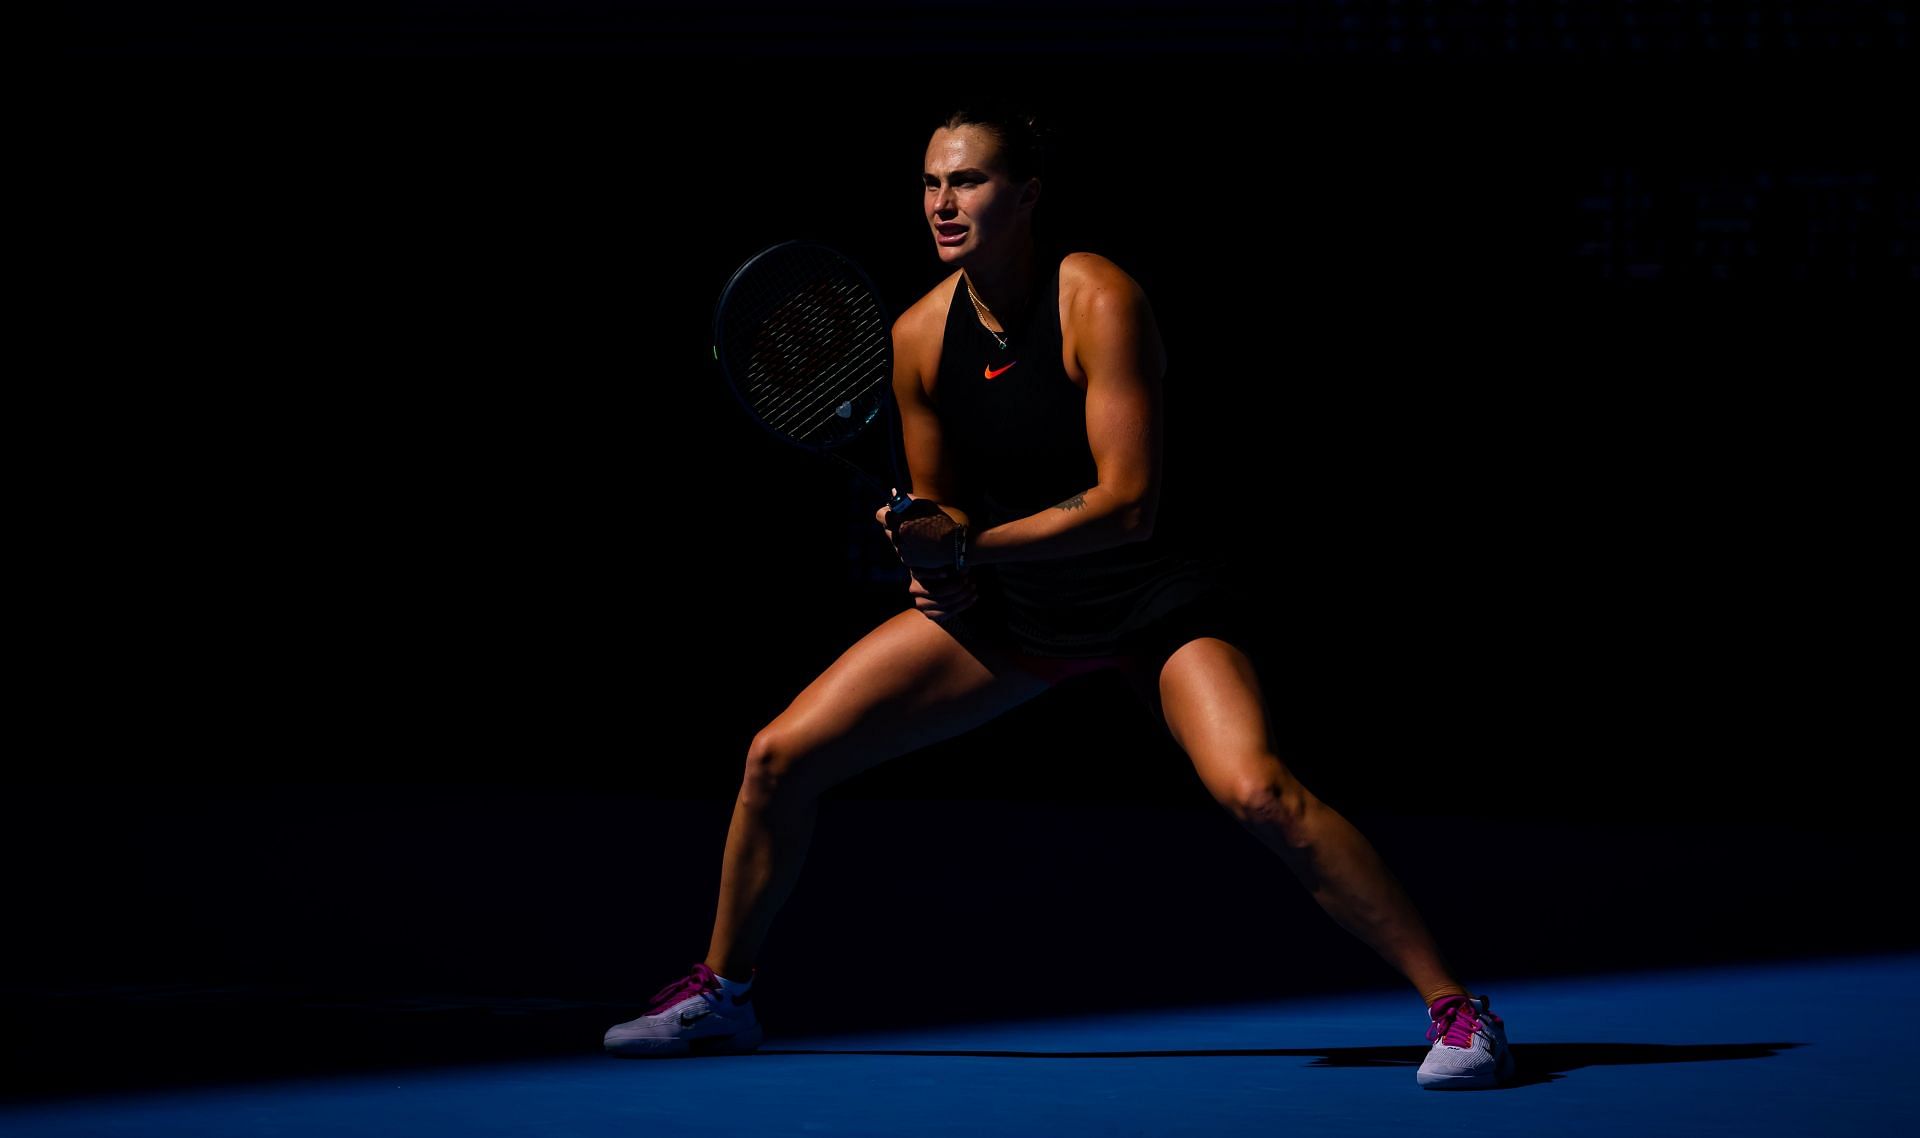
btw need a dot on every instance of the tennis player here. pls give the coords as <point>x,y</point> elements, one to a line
<point>1029,388</point>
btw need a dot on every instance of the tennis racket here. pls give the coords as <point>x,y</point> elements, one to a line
<point>806,347</point>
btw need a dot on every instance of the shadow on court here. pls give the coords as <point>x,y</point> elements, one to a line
<point>1534,1063</point>
<point>243,1034</point>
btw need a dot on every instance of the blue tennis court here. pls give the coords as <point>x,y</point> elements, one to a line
<point>1817,1047</point>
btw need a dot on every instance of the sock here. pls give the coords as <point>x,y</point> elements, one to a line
<point>733,989</point>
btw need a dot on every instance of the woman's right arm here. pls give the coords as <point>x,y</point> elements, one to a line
<point>936,593</point>
<point>928,462</point>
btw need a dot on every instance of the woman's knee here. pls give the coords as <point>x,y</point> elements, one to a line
<point>1266,794</point>
<point>770,766</point>
<point>780,767</point>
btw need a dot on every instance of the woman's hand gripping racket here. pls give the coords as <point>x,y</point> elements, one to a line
<point>806,347</point>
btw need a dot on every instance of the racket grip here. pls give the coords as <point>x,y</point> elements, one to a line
<point>907,507</point>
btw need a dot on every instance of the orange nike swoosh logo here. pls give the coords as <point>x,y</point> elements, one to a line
<point>992,374</point>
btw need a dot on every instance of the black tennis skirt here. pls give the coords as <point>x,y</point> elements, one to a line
<point>1202,599</point>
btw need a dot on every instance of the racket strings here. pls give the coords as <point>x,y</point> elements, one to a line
<point>826,408</point>
<point>813,360</point>
<point>814,340</point>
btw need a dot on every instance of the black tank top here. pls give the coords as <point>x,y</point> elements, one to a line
<point>1019,441</point>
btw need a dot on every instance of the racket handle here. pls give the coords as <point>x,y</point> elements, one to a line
<point>897,503</point>
<point>906,507</point>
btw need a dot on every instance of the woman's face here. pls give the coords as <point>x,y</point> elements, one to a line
<point>969,202</point>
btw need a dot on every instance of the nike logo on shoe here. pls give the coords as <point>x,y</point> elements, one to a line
<point>688,1018</point>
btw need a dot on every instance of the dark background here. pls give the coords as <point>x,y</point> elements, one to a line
<point>421,588</point>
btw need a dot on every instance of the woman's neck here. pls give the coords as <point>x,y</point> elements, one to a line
<point>1005,284</point>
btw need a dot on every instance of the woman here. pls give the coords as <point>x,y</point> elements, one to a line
<point>1029,392</point>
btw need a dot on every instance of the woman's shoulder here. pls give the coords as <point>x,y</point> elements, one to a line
<point>921,329</point>
<point>932,305</point>
<point>1084,275</point>
<point>1082,262</point>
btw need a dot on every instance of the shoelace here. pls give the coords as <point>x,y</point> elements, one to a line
<point>1456,1019</point>
<point>701,979</point>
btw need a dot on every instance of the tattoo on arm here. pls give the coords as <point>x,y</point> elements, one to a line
<point>1076,502</point>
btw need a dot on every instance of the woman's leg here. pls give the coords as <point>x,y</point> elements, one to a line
<point>908,683</point>
<point>1210,696</point>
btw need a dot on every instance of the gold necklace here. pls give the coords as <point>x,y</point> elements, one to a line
<point>984,314</point>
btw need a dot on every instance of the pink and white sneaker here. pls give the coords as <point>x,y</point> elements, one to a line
<point>691,1016</point>
<point>1469,1046</point>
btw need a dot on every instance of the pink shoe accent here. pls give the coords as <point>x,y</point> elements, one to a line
<point>1455,1019</point>
<point>701,979</point>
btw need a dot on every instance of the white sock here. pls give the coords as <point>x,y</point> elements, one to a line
<point>733,989</point>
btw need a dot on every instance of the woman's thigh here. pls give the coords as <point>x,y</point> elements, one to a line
<point>1210,693</point>
<point>908,683</point>
<point>1214,708</point>
<point>1220,615</point>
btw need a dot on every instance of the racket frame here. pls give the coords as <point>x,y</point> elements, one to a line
<point>885,412</point>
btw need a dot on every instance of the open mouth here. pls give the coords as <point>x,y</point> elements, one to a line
<point>950,234</point>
